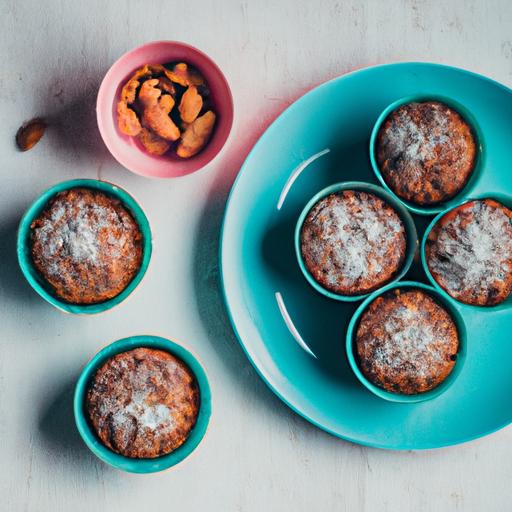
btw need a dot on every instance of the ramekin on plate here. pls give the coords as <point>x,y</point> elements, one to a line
<point>125,149</point>
<point>480,154</point>
<point>448,304</point>
<point>129,464</point>
<point>24,244</point>
<point>501,198</point>
<point>410,233</point>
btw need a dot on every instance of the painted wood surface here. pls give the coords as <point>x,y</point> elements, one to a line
<point>258,455</point>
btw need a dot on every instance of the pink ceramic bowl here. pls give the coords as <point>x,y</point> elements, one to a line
<point>126,150</point>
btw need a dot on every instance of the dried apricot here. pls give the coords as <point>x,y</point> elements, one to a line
<point>190,105</point>
<point>152,142</point>
<point>184,75</point>
<point>196,135</point>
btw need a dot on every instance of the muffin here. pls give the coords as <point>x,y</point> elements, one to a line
<point>469,252</point>
<point>86,246</point>
<point>426,152</point>
<point>406,342</point>
<point>352,242</point>
<point>143,403</point>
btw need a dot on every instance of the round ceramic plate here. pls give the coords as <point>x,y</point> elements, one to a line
<point>293,335</point>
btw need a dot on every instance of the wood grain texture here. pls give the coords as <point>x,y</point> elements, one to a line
<point>258,455</point>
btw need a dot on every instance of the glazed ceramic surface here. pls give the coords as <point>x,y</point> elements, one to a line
<point>24,247</point>
<point>127,463</point>
<point>294,336</point>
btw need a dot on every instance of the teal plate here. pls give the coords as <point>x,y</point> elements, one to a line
<point>293,335</point>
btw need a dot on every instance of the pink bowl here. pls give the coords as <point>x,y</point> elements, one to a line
<point>126,150</point>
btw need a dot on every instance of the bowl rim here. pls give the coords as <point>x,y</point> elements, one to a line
<point>479,164</point>
<point>25,261</point>
<point>461,353</point>
<point>410,230</point>
<point>502,198</point>
<point>104,111</point>
<point>163,462</point>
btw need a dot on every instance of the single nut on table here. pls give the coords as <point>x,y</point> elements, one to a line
<point>190,105</point>
<point>30,134</point>
<point>156,111</point>
<point>196,135</point>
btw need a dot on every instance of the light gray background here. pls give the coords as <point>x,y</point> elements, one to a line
<point>258,455</point>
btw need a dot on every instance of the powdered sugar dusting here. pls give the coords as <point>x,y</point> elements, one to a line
<point>75,230</point>
<point>409,342</point>
<point>470,257</point>
<point>417,142</point>
<point>353,238</point>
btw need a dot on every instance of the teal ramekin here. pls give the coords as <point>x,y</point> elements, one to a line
<point>142,465</point>
<point>410,233</point>
<point>480,155</point>
<point>24,249</point>
<point>420,397</point>
<point>503,199</point>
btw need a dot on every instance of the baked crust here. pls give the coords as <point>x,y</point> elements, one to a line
<point>406,342</point>
<point>426,152</point>
<point>469,252</point>
<point>86,246</point>
<point>143,403</point>
<point>352,242</point>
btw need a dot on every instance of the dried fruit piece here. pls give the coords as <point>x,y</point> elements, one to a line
<point>30,134</point>
<point>129,91</point>
<point>156,111</point>
<point>166,85</point>
<point>196,135</point>
<point>152,142</point>
<point>184,75</point>
<point>190,105</point>
<point>149,94</point>
<point>127,120</point>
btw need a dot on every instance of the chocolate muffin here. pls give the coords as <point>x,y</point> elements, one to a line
<point>86,246</point>
<point>469,252</point>
<point>426,152</point>
<point>352,242</point>
<point>143,403</point>
<point>406,342</point>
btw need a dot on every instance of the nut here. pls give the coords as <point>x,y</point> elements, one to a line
<point>30,134</point>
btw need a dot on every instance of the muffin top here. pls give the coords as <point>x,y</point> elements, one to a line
<point>426,152</point>
<point>352,242</point>
<point>406,342</point>
<point>86,246</point>
<point>469,252</point>
<point>143,403</point>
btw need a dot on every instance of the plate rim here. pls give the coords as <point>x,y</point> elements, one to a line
<point>222,251</point>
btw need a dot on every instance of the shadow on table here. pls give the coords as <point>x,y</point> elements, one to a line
<point>57,427</point>
<point>12,280</point>
<point>210,302</point>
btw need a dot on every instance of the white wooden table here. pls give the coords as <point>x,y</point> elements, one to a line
<point>258,455</point>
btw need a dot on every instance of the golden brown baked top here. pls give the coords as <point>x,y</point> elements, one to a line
<point>143,403</point>
<point>469,252</point>
<point>86,246</point>
<point>406,342</point>
<point>426,152</point>
<point>352,242</point>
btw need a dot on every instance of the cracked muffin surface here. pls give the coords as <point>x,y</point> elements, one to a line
<point>469,252</point>
<point>426,152</point>
<point>352,242</point>
<point>86,246</point>
<point>143,403</point>
<point>406,342</point>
